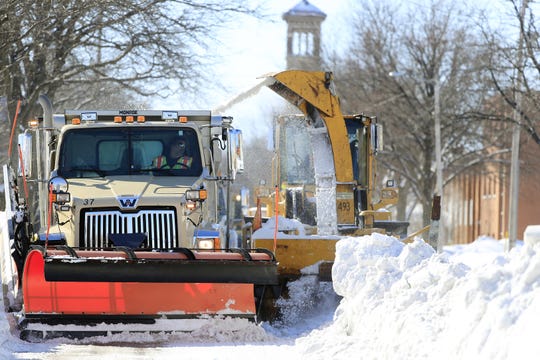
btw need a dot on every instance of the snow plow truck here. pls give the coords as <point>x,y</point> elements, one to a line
<point>100,231</point>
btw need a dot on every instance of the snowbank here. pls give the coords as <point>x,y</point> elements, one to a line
<point>531,235</point>
<point>406,302</point>
<point>5,336</point>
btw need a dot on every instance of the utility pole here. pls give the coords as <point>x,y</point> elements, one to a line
<point>438,150</point>
<point>434,232</point>
<point>514,166</point>
<point>435,238</point>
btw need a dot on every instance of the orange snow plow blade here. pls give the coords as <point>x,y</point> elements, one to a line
<point>173,284</point>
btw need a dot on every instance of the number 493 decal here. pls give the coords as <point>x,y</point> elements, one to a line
<point>344,205</point>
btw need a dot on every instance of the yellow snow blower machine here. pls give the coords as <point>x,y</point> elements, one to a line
<point>325,178</point>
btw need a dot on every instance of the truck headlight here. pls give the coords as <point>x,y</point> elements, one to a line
<point>206,244</point>
<point>207,239</point>
<point>60,198</point>
<point>58,190</point>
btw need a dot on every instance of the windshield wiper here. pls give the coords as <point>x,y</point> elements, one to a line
<point>101,173</point>
<point>140,171</point>
<point>165,172</point>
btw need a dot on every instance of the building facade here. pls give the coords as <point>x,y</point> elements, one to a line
<point>476,203</point>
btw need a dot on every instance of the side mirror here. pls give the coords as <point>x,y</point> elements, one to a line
<point>216,150</point>
<point>25,164</point>
<point>236,151</point>
<point>377,137</point>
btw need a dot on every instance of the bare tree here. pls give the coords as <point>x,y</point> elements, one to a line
<point>505,68</point>
<point>62,48</point>
<point>425,44</point>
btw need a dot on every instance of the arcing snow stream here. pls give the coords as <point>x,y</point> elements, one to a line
<point>398,301</point>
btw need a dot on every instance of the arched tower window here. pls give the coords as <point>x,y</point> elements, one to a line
<point>303,44</point>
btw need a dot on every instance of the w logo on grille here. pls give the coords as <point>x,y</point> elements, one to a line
<point>127,202</point>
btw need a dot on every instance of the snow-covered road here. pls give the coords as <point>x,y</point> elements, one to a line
<point>399,302</point>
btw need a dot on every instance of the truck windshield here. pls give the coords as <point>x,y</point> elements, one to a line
<point>295,151</point>
<point>99,152</point>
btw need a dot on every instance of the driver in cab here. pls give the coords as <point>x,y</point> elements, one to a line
<point>175,157</point>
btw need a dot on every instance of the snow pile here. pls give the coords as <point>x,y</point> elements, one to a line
<point>405,301</point>
<point>5,336</point>
<point>309,304</point>
<point>532,235</point>
<point>287,229</point>
<point>285,226</point>
<point>212,330</point>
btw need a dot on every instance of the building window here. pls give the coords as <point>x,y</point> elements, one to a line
<point>303,44</point>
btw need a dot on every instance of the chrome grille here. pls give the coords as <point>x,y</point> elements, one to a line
<point>158,225</point>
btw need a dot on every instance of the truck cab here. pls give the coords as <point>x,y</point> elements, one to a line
<point>126,187</point>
